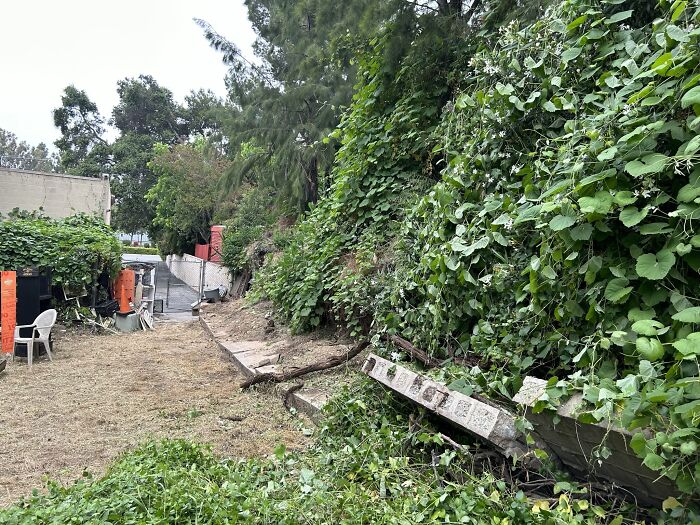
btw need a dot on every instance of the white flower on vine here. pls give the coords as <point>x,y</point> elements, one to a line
<point>508,224</point>
<point>395,356</point>
<point>516,168</point>
<point>502,133</point>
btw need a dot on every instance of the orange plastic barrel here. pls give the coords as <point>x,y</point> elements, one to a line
<point>124,286</point>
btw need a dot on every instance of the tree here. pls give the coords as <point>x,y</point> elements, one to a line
<point>145,115</point>
<point>83,149</point>
<point>145,108</point>
<point>203,115</point>
<point>18,154</point>
<point>185,196</point>
<point>287,105</point>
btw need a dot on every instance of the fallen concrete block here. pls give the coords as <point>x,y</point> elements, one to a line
<point>310,401</point>
<point>575,443</point>
<point>490,423</point>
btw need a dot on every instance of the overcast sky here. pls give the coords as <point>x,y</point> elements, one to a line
<point>46,45</point>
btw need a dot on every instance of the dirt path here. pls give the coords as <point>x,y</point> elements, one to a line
<point>105,394</point>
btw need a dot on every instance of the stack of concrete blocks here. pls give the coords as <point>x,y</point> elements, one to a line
<point>575,444</point>
<point>493,424</point>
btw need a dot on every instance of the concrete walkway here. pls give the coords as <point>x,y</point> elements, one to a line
<point>177,296</point>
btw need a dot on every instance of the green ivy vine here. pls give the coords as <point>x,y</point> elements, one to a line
<point>72,247</point>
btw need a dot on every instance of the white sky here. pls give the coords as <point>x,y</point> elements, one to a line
<point>46,45</point>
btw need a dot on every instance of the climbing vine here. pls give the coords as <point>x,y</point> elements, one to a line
<point>561,239</point>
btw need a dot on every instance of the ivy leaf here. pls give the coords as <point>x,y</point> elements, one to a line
<point>570,54</point>
<point>676,33</point>
<point>549,273</point>
<point>631,216</point>
<point>691,147</point>
<point>607,154</point>
<point>691,97</point>
<point>628,385</point>
<point>655,266</point>
<point>688,193</point>
<point>600,203</point>
<point>561,222</point>
<point>582,232</point>
<point>690,346</point>
<point>647,327</point>
<point>655,228</point>
<point>624,198</point>
<point>617,290</point>
<point>452,263</point>
<point>653,163</point>
<point>468,250</point>
<point>499,238</point>
<point>688,315</point>
<point>683,249</point>
<point>653,461</point>
<point>619,17</point>
<point>638,443</point>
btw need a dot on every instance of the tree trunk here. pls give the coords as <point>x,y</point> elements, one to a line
<point>311,183</point>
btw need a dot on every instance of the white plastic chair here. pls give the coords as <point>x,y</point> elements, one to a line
<point>41,330</point>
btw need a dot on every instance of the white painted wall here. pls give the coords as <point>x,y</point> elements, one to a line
<point>59,195</point>
<point>188,267</point>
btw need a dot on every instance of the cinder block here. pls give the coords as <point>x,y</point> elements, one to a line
<point>490,423</point>
<point>575,443</point>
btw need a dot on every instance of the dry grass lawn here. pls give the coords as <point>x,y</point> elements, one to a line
<point>105,394</point>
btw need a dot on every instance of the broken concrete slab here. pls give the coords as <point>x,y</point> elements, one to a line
<point>575,443</point>
<point>493,424</point>
<point>309,401</point>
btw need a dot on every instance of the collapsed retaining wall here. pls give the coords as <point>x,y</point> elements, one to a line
<point>189,268</point>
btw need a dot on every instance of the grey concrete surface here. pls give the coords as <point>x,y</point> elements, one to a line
<point>491,423</point>
<point>177,296</point>
<point>575,443</point>
<point>141,257</point>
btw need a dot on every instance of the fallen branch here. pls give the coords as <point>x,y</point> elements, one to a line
<point>428,360</point>
<point>414,352</point>
<point>316,367</point>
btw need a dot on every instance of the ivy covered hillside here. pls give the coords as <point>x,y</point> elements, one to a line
<point>526,195</point>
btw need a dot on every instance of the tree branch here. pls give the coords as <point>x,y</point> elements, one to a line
<point>323,365</point>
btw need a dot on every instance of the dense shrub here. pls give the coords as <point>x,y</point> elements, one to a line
<point>253,216</point>
<point>73,248</point>
<point>141,249</point>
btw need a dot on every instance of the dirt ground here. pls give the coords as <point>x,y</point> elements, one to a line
<point>105,394</point>
<point>237,321</point>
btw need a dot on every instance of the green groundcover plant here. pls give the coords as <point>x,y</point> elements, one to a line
<point>74,248</point>
<point>365,468</point>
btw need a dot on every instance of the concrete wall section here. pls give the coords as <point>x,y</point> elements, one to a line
<point>59,195</point>
<point>188,267</point>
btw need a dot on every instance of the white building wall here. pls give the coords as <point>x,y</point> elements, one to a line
<point>188,267</point>
<point>59,195</point>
